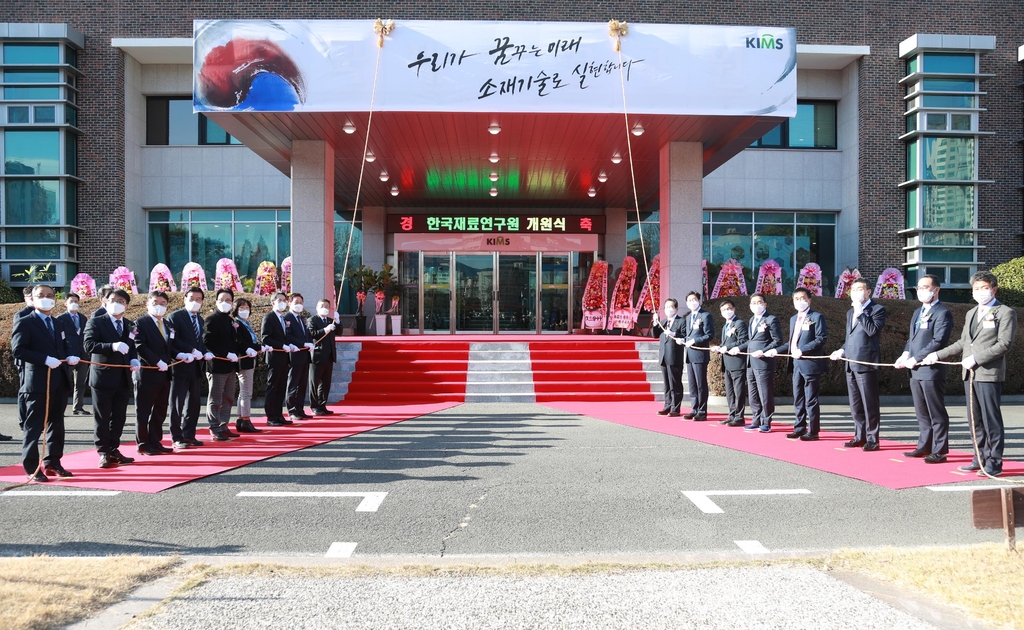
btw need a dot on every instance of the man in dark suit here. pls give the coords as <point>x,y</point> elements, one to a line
<point>671,357</point>
<point>807,335</point>
<point>153,386</point>
<point>28,309</point>
<point>734,367</point>
<point>222,371</point>
<point>275,333</point>
<point>864,323</point>
<point>325,353</point>
<point>42,345</point>
<point>187,341</point>
<point>298,370</point>
<point>987,336</point>
<point>110,340</point>
<point>930,329</point>
<point>765,333</point>
<point>104,293</point>
<point>74,322</point>
<point>700,329</point>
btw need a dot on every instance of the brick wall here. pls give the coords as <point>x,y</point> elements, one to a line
<point>880,24</point>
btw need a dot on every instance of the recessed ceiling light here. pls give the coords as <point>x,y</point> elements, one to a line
<point>348,127</point>
<point>494,192</point>
<point>384,176</point>
<point>494,158</point>
<point>494,176</point>
<point>616,158</point>
<point>394,191</point>
<point>602,177</point>
<point>638,129</point>
<point>494,129</point>
<point>591,192</point>
<point>370,156</point>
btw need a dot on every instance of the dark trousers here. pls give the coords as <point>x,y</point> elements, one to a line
<point>863,391</point>
<point>298,382</point>
<point>277,380</point>
<point>805,403</point>
<point>761,388</point>
<point>109,414</point>
<point>672,376</point>
<point>988,421</point>
<point>151,398</point>
<point>80,375</point>
<point>697,381</point>
<point>185,405</point>
<point>320,384</point>
<point>33,406</point>
<point>932,417</point>
<point>736,393</point>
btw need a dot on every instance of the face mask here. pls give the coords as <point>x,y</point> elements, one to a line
<point>224,307</point>
<point>924,295</point>
<point>857,296</point>
<point>157,310</point>
<point>801,305</point>
<point>757,309</point>
<point>243,314</point>
<point>670,311</point>
<point>322,312</point>
<point>43,304</point>
<point>281,306</point>
<point>115,308</point>
<point>728,314</point>
<point>983,296</point>
<point>694,306</point>
<point>193,307</point>
<point>73,307</point>
<point>298,308</point>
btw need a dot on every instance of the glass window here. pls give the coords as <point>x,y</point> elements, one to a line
<point>911,123</point>
<point>32,152</point>
<point>284,242</point>
<point>211,215</point>
<point>71,205</point>
<point>31,93</point>
<point>284,215</point>
<point>182,124</point>
<point>912,208</point>
<point>938,100</point>
<point>159,215</point>
<point>210,243</point>
<point>817,217</point>
<point>31,53</point>
<point>732,217</point>
<point>45,114</point>
<point>31,76</point>
<point>255,215</point>
<point>948,239</point>
<point>912,160</point>
<point>771,139</point>
<point>949,85</point>
<point>814,126</point>
<point>960,122</point>
<point>355,258</point>
<point>950,255</point>
<point>211,133</point>
<point>775,217</point>
<point>731,241</point>
<point>774,242</point>
<point>71,115</point>
<point>935,121</point>
<point>32,201</point>
<point>168,244</point>
<point>949,207</point>
<point>960,275</point>
<point>71,153</point>
<point>912,65</point>
<point>70,56</point>
<point>949,63</point>
<point>17,115</point>
<point>33,235</point>
<point>817,244</point>
<point>948,158</point>
<point>254,243</point>
<point>33,252</point>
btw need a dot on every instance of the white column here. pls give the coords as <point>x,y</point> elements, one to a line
<point>312,220</point>
<point>681,212</point>
<point>615,236</point>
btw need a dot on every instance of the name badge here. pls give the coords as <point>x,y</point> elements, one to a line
<point>762,328</point>
<point>131,336</point>
<point>172,334</point>
<point>805,326</point>
<point>924,325</point>
<point>988,324</point>
<point>62,335</point>
<point>729,334</point>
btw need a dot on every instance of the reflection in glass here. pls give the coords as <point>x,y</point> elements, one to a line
<point>182,124</point>
<point>774,242</point>
<point>284,243</point>
<point>949,207</point>
<point>949,158</point>
<point>437,292</point>
<point>817,244</point>
<point>554,293</point>
<point>408,279</point>
<point>32,152</point>
<point>347,299</point>
<point>31,53</point>
<point>517,292</point>
<point>474,293</point>
<point>254,243</point>
<point>210,243</point>
<point>32,201</point>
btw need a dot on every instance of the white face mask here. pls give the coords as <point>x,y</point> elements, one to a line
<point>298,308</point>
<point>857,296</point>
<point>757,309</point>
<point>193,307</point>
<point>925,295</point>
<point>323,312</point>
<point>693,305</point>
<point>224,307</point>
<point>983,296</point>
<point>73,307</point>
<point>801,305</point>
<point>728,314</point>
<point>281,306</point>
<point>115,308</point>
<point>243,314</point>
<point>43,304</point>
<point>157,310</point>
<point>670,311</point>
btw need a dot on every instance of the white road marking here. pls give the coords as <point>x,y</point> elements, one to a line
<point>701,498</point>
<point>60,493</point>
<point>964,488</point>
<point>751,546</point>
<point>371,500</point>
<point>341,550</point>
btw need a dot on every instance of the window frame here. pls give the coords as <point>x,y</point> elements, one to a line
<point>784,129</point>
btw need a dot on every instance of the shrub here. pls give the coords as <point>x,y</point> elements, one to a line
<point>1011,282</point>
<point>7,294</point>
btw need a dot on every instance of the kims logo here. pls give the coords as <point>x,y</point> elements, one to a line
<point>766,41</point>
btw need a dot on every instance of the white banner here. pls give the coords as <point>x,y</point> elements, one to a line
<point>447,66</point>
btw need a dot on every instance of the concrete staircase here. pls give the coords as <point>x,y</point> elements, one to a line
<point>499,372</point>
<point>348,354</point>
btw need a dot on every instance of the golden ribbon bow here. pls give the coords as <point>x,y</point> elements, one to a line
<point>618,30</point>
<point>382,28</point>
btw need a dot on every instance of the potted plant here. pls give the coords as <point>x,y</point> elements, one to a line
<point>361,279</point>
<point>383,282</point>
<point>392,289</point>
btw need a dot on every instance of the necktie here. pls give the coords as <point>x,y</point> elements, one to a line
<point>120,329</point>
<point>74,318</point>
<point>195,326</point>
<point>301,329</point>
<point>796,332</point>
<point>160,327</point>
<point>49,328</point>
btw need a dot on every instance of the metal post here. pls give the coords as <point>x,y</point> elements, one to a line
<point>1009,522</point>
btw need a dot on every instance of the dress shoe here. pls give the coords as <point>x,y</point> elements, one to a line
<point>809,437</point>
<point>57,471</point>
<point>193,442</point>
<point>326,412</point>
<point>725,420</point>
<point>164,449</point>
<point>5,438</point>
<point>244,425</point>
<point>738,422</point>
<point>691,415</point>
<point>673,414</point>
<point>871,446</point>
<point>972,467</point>
<point>181,444</point>
<point>121,459</point>
<point>294,419</point>
<point>990,471</point>
<point>276,423</point>
<point>764,429</point>
<point>935,458</point>
<point>38,477</point>
<point>795,435</point>
<point>80,412</point>
<point>228,432</point>
<point>917,452</point>
<point>663,412</point>
<point>217,436</point>
<point>752,427</point>
<point>148,450</point>
<point>700,417</point>
<point>106,461</point>
<point>854,444</point>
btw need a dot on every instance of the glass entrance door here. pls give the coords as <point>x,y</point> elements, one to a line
<point>517,292</point>
<point>474,293</point>
<point>554,293</point>
<point>437,292</point>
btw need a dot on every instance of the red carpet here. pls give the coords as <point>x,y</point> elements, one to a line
<point>885,467</point>
<point>589,370</point>
<point>154,474</point>
<point>400,371</point>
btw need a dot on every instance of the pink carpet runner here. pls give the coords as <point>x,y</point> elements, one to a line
<point>154,474</point>
<point>885,467</point>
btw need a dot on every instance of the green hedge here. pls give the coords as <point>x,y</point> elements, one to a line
<point>1011,282</point>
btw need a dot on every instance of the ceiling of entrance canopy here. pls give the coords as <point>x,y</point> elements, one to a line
<point>445,159</point>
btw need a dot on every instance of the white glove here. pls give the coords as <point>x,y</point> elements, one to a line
<point>717,350</point>
<point>197,354</point>
<point>771,354</point>
<point>899,364</point>
<point>688,343</point>
<point>52,363</point>
<point>160,365</point>
<point>73,360</point>
<point>181,356</point>
<point>797,353</point>
<point>337,318</point>
<point>838,354</point>
<point>969,362</point>
<point>309,346</point>
<point>267,349</point>
<point>249,352</point>
<point>931,359</point>
<point>289,348</point>
<point>910,363</point>
<point>734,351</point>
<point>679,341</point>
<point>330,328</point>
<point>121,347</point>
<point>136,366</point>
<point>232,357</point>
<point>757,354</point>
<point>208,356</point>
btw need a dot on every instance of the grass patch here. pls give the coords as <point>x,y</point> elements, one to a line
<point>41,592</point>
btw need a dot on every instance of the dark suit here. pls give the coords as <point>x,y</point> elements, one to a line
<point>701,329</point>
<point>186,402</point>
<point>152,387</point>
<point>928,382</point>
<point>220,340</point>
<point>325,354</point>
<point>111,386</point>
<point>810,337</point>
<point>734,335</point>
<point>31,344</point>
<point>671,357</point>
<point>863,337</point>
<point>764,333</point>
<point>298,370</point>
<point>80,372</point>
<point>987,341</point>
<point>275,334</point>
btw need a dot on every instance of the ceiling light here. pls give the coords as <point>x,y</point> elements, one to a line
<point>348,127</point>
<point>616,158</point>
<point>494,158</point>
<point>494,176</point>
<point>494,129</point>
<point>370,156</point>
<point>638,129</point>
<point>591,192</point>
<point>384,176</point>
<point>494,192</point>
<point>602,177</point>
<point>394,191</point>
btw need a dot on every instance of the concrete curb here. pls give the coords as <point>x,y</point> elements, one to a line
<point>138,601</point>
